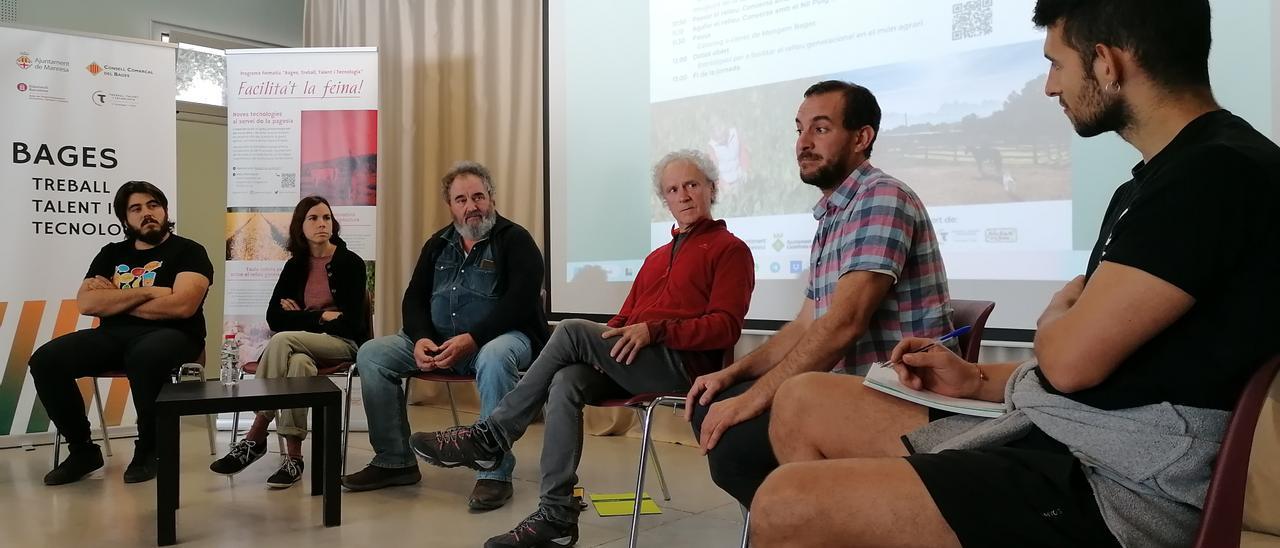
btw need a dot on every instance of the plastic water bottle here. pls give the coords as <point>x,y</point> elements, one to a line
<point>230,360</point>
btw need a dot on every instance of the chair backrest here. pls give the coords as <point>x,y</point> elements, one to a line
<point>368,309</point>
<point>1220,522</point>
<point>973,314</point>
<point>1262,487</point>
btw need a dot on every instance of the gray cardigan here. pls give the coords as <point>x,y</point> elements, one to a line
<point>1149,466</point>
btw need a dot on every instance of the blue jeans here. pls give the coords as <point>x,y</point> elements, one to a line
<point>383,362</point>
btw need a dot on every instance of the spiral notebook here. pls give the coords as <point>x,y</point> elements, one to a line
<point>885,380</point>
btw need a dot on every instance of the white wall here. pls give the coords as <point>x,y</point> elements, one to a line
<point>270,21</point>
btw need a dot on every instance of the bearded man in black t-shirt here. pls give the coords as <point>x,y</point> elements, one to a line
<point>1111,432</point>
<point>148,292</point>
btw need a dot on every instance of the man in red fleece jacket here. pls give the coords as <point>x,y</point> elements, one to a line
<point>685,309</point>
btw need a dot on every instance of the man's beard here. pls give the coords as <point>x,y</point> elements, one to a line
<point>828,176</point>
<point>480,231</point>
<point>1109,112</point>
<point>151,237</point>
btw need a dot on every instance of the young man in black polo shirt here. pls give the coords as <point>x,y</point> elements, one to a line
<point>1113,429</point>
<point>148,291</point>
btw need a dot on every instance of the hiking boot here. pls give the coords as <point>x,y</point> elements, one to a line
<point>537,531</point>
<point>457,446</point>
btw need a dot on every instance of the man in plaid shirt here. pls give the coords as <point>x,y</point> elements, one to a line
<point>876,277</point>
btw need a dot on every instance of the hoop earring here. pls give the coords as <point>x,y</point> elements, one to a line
<point>1114,86</point>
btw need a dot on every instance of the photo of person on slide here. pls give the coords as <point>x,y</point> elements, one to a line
<point>730,155</point>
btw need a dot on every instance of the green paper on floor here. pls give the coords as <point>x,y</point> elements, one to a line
<point>622,504</point>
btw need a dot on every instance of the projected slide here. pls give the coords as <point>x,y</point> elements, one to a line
<point>1014,196</point>
<point>965,120</point>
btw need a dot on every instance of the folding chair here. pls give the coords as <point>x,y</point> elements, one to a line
<point>102,417</point>
<point>1223,515</point>
<point>973,314</point>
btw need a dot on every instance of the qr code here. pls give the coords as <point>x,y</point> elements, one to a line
<point>288,180</point>
<point>970,19</point>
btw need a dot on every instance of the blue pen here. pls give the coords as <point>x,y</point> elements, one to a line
<point>957,333</point>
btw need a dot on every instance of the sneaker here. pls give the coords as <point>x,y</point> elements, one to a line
<point>290,472</point>
<point>490,494</point>
<point>457,446</point>
<point>537,531</point>
<point>80,462</point>
<point>241,455</point>
<point>143,467</point>
<point>377,477</point>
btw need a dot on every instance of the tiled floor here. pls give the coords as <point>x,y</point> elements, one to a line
<point>102,511</point>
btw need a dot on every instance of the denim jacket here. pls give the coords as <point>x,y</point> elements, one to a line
<point>464,290</point>
<point>514,273</point>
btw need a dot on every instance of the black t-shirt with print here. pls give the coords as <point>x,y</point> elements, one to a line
<point>159,266</point>
<point>1201,215</point>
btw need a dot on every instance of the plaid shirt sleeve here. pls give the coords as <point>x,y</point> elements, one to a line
<point>878,231</point>
<point>809,292</point>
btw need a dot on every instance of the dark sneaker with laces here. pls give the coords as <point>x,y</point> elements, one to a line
<point>241,455</point>
<point>457,446</point>
<point>490,494</point>
<point>80,462</point>
<point>537,531</point>
<point>290,472</point>
<point>142,468</point>
<point>377,477</point>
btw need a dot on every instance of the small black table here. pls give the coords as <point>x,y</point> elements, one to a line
<point>203,398</point>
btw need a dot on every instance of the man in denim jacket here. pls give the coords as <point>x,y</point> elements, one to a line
<point>472,308</point>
